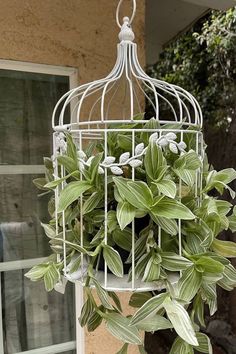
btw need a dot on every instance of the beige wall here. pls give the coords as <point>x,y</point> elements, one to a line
<point>76,33</point>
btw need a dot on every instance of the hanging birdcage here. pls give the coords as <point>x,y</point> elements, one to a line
<point>117,123</point>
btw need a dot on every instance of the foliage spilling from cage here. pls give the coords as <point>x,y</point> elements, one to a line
<point>169,209</point>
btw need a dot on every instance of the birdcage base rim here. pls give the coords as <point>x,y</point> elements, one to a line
<point>116,284</point>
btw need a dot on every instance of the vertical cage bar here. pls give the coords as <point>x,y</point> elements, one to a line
<point>105,206</point>
<point>81,210</point>
<point>63,216</point>
<point>197,171</point>
<point>80,340</point>
<point>133,222</point>
<point>180,198</point>
<point>159,228</point>
<point>56,193</point>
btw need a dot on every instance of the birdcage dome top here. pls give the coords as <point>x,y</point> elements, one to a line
<point>125,89</point>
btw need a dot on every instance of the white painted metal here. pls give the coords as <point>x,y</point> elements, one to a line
<point>52,349</point>
<point>80,337</point>
<point>127,76</point>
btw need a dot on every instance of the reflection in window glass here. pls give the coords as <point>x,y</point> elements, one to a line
<point>33,318</point>
<point>22,211</point>
<point>26,105</point>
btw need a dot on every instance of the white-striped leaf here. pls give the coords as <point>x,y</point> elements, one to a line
<point>86,312</point>
<point>154,324</point>
<point>181,347</point>
<point>224,248</point>
<point>125,214</point>
<point>37,272</point>
<point>149,309</point>
<point>113,260</point>
<point>168,225</point>
<point>204,344</point>
<point>152,271</point>
<point>123,238</point>
<point>138,299</point>
<point>72,192</point>
<point>124,349</point>
<point>171,209</point>
<point>92,202</point>
<point>189,284</point>
<point>136,193</point>
<point>49,230</point>
<point>153,160</point>
<point>174,262</point>
<point>121,328</point>
<point>181,321</point>
<point>51,277</point>
<point>94,321</point>
<point>103,295</point>
<point>166,187</point>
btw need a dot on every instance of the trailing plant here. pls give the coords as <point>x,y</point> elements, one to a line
<point>161,199</point>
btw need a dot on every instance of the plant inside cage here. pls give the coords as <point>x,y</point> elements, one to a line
<point>136,207</point>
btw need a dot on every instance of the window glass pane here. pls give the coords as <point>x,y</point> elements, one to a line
<point>33,318</point>
<point>21,211</point>
<point>26,105</point>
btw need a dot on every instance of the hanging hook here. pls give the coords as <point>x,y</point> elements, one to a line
<point>118,12</point>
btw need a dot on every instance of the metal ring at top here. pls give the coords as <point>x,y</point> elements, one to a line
<point>118,10</point>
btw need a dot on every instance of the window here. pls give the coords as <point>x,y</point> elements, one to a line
<point>31,320</point>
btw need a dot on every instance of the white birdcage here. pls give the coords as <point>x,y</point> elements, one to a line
<point>125,90</point>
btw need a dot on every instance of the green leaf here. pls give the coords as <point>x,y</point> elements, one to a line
<point>138,299</point>
<point>181,347</point>
<point>152,271</point>
<point>210,265</point>
<point>187,176</point>
<point>154,324</point>
<point>40,183</point>
<point>173,262</point>
<point>92,202</point>
<point>189,161</point>
<point>224,248</point>
<point>116,299</point>
<point>189,284</point>
<point>198,307</point>
<point>113,260</point>
<point>51,277</point>
<point>71,148</point>
<point>94,321</point>
<point>125,214</point>
<point>49,230</point>
<point>142,349</point>
<point>124,142</point>
<point>181,321</point>
<point>166,187</point>
<point>149,309</point>
<point>171,209</point>
<point>37,272</point>
<point>124,349</point>
<point>86,312</point>
<point>71,193</point>
<point>204,344</point>
<point>103,295</point>
<point>219,180</point>
<point>136,193</point>
<point>152,124</point>
<point>168,225</point>
<point>153,160</point>
<point>123,238</point>
<point>69,164</point>
<point>93,168</point>
<point>121,328</point>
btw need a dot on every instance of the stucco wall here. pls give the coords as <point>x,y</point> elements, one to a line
<point>76,33</point>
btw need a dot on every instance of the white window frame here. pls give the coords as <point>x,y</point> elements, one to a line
<point>79,344</point>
